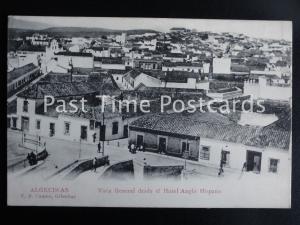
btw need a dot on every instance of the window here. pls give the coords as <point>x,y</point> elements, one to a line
<point>67,128</point>
<point>97,124</point>
<point>139,140</point>
<point>273,165</point>
<point>225,157</point>
<point>25,106</point>
<point>83,133</point>
<point>92,124</point>
<point>38,124</point>
<point>185,146</point>
<point>52,129</point>
<point>14,119</point>
<point>204,153</point>
<point>115,128</point>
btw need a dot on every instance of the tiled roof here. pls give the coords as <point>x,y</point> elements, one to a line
<point>32,48</point>
<point>92,112</point>
<point>64,89</point>
<point>95,113</point>
<point>180,76</point>
<point>214,126</point>
<point>18,72</point>
<point>239,68</point>
<point>173,64</point>
<point>175,55</point>
<point>81,54</point>
<point>106,60</point>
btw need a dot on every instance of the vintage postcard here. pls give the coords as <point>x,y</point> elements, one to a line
<point>149,112</point>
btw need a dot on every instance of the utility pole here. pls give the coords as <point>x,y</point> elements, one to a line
<point>102,127</point>
<point>103,131</point>
<point>71,70</point>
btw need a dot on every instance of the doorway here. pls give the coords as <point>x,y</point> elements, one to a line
<point>139,140</point>
<point>125,131</point>
<point>52,129</point>
<point>185,147</point>
<point>162,144</point>
<point>253,161</point>
<point>225,156</point>
<point>83,133</point>
<point>14,125</point>
<point>25,123</point>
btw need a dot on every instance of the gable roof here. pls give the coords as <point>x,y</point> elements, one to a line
<point>79,54</point>
<point>65,89</point>
<point>18,72</point>
<point>213,126</point>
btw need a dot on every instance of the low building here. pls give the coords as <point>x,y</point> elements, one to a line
<point>147,64</point>
<point>84,126</point>
<point>268,87</point>
<point>134,79</point>
<point>109,63</point>
<point>182,66</point>
<point>175,57</point>
<point>225,93</point>
<point>184,79</point>
<point>211,137</point>
<point>19,77</point>
<point>78,59</point>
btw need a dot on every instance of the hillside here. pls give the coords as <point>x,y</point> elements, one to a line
<point>75,31</point>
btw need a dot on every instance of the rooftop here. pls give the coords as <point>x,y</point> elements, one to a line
<point>180,76</point>
<point>93,112</point>
<point>173,64</point>
<point>106,60</point>
<point>32,48</point>
<point>18,72</point>
<point>214,126</point>
<point>65,89</point>
<point>79,54</point>
<point>175,55</point>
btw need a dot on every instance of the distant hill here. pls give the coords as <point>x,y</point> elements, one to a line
<point>26,25</point>
<point>75,31</point>
<point>88,31</point>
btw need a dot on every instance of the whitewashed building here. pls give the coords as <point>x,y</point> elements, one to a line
<point>210,137</point>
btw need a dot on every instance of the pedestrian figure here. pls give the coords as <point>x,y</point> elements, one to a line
<point>244,167</point>
<point>99,148</point>
<point>94,137</point>
<point>132,148</point>
<point>221,167</point>
<point>94,164</point>
<point>33,158</point>
<point>129,148</point>
<point>141,148</point>
<point>29,159</point>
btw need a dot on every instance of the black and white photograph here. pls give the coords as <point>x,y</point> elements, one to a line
<point>149,112</point>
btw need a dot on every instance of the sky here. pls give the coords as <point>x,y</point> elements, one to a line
<point>253,28</point>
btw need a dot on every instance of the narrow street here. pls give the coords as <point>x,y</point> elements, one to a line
<point>63,153</point>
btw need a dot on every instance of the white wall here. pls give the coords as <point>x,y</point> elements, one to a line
<point>147,80</point>
<point>264,91</point>
<point>238,153</point>
<point>195,69</point>
<point>113,66</point>
<point>221,65</point>
<point>75,124</point>
<point>78,61</point>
